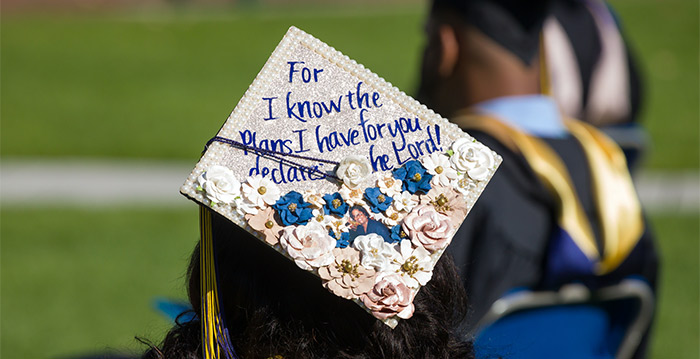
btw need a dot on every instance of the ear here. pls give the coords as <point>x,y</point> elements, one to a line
<point>449,49</point>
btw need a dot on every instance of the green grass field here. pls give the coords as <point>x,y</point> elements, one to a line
<point>154,85</point>
<point>79,281</point>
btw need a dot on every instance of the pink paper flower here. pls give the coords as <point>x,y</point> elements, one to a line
<point>428,228</point>
<point>310,245</point>
<point>447,201</point>
<point>266,223</point>
<point>390,296</point>
<point>346,277</point>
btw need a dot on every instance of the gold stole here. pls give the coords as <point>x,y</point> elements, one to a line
<point>618,207</point>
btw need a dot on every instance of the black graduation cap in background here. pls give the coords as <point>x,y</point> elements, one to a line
<point>514,24</point>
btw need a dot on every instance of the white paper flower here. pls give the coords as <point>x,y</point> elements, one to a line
<point>243,206</point>
<point>314,198</point>
<point>438,165</point>
<point>261,191</point>
<point>310,245</point>
<point>391,217</point>
<point>464,185</point>
<point>414,264</point>
<point>353,170</point>
<point>321,218</point>
<point>376,253</point>
<point>338,225</point>
<point>405,202</point>
<point>219,184</point>
<point>389,185</point>
<point>352,196</point>
<point>472,158</point>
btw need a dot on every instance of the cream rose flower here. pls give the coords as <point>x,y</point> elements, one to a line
<point>472,158</point>
<point>428,228</point>
<point>260,191</point>
<point>389,185</point>
<point>390,296</point>
<point>414,264</point>
<point>310,246</point>
<point>376,253</point>
<point>353,170</point>
<point>219,184</point>
<point>345,277</point>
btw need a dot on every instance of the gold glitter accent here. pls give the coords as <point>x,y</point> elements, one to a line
<point>389,182</point>
<point>394,216</point>
<point>319,218</point>
<point>440,203</point>
<point>438,169</point>
<point>269,224</point>
<point>403,234</point>
<point>411,266</point>
<point>463,183</point>
<point>381,198</point>
<point>336,203</point>
<point>262,189</point>
<point>417,177</point>
<point>346,267</point>
<point>292,207</point>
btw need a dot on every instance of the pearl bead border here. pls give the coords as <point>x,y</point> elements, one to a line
<point>294,36</point>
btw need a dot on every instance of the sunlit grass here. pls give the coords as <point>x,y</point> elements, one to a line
<point>155,84</point>
<point>83,280</point>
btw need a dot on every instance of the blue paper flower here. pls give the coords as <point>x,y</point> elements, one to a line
<point>335,204</point>
<point>344,240</point>
<point>414,177</point>
<point>292,209</point>
<point>377,200</point>
<point>397,234</point>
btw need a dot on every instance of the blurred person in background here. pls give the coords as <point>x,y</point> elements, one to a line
<point>562,207</point>
<point>593,74</point>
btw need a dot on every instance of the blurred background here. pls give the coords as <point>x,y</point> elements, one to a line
<point>106,105</point>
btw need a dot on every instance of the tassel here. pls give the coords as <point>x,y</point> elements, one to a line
<point>215,338</point>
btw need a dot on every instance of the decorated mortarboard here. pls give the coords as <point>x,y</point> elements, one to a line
<point>342,173</point>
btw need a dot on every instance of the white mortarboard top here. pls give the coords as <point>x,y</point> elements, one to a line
<point>344,174</point>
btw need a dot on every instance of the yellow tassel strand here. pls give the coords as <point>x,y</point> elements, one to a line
<point>210,297</point>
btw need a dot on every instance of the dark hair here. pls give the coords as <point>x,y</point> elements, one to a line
<point>274,308</point>
<point>359,208</point>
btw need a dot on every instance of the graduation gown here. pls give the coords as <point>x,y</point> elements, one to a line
<point>512,236</point>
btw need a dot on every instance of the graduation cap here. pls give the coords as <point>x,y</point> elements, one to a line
<point>514,24</point>
<point>342,173</point>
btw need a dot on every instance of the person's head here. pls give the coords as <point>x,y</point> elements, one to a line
<point>359,214</point>
<point>478,50</point>
<point>272,307</point>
